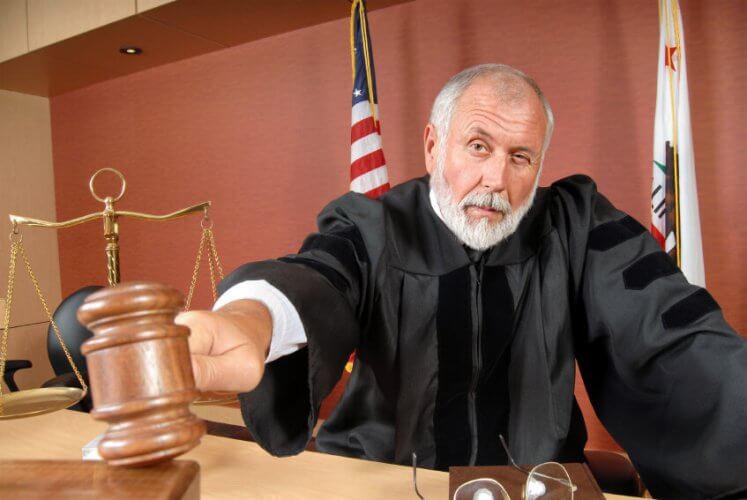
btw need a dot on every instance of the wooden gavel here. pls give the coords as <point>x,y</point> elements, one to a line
<point>140,373</point>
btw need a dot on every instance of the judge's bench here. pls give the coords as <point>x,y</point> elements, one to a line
<point>231,468</point>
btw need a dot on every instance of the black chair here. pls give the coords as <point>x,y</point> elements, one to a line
<point>11,367</point>
<point>614,472</point>
<point>74,334</point>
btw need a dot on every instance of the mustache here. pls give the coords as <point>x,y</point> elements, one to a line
<point>486,200</point>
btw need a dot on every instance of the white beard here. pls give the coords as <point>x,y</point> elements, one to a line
<point>482,234</point>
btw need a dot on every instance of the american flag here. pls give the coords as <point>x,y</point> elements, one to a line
<point>368,172</point>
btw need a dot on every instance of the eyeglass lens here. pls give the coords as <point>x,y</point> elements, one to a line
<point>549,481</point>
<point>481,489</point>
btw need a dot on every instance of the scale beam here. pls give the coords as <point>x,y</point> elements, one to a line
<point>19,220</point>
<point>202,207</point>
<point>110,217</point>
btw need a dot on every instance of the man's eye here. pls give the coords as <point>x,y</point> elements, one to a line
<point>522,159</point>
<point>477,147</point>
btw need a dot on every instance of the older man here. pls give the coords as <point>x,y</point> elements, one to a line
<point>469,298</point>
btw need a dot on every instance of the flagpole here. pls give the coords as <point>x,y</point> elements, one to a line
<point>669,11</point>
<point>367,59</point>
<point>353,6</point>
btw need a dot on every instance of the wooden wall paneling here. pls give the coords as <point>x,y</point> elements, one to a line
<point>13,32</point>
<point>27,188</point>
<point>143,5</point>
<point>52,21</point>
<point>161,45</point>
<point>95,56</point>
<point>167,31</point>
<point>41,74</point>
<point>231,22</point>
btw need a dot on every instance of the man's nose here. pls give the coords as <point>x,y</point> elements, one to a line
<point>494,173</point>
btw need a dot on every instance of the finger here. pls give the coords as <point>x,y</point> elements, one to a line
<point>202,330</point>
<point>238,370</point>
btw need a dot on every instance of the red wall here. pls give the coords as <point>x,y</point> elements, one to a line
<point>262,129</point>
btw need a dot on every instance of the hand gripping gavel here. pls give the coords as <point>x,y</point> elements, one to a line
<point>140,373</point>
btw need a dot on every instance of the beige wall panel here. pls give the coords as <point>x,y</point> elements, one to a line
<point>30,342</point>
<point>143,5</point>
<point>53,20</point>
<point>27,188</point>
<point>13,35</point>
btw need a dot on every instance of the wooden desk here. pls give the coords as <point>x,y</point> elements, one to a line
<point>231,469</point>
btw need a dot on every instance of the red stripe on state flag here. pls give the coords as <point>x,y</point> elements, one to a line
<point>367,163</point>
<point>658,236</point>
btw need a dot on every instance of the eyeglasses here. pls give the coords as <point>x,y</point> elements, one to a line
<point>547,481</point>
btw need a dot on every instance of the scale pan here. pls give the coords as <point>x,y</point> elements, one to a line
<point>216,398</point>
<point>33,402</point>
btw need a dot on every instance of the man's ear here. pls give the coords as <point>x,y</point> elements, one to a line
<point>430,140</point>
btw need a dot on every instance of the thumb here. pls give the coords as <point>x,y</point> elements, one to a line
<point>237,370</point>
<point>202,330</point>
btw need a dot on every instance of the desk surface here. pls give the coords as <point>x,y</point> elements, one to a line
<point>231,468</point>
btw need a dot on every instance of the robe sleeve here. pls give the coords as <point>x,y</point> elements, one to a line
<point>328,282</point>
<point>665,373</point>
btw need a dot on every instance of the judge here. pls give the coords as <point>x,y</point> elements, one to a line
<point>468,296</point>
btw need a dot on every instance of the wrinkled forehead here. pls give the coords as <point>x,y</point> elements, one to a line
<point>503,101</point>
<point>505,90</point>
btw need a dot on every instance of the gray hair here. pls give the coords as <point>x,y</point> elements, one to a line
<point>443,106</point>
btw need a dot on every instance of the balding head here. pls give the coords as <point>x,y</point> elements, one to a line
<point>511,87</point>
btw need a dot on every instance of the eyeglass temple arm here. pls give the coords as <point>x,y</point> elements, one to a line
<point>415,476</point>
<point>508,453</point>
<point>525,471</point>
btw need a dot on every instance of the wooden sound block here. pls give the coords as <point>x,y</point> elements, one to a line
<point>513,480</point>
<point>140,373</point>
<point>58,479</point>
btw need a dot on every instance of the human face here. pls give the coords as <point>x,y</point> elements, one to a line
<point>494,145</point>
<point>485,172</point>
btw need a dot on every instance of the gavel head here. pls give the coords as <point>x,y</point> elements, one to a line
<point>140,373</point>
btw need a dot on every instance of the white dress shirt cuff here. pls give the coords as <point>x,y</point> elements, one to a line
<point>288,334</point>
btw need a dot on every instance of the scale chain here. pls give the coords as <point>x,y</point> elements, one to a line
<point>214,251</point>
<point>16,247</point>
<point>52,321</point>
<point>193,283</point>
<point>214,263</point>
<point>207,241</point>
<point>212,277</point>
<point>6,320</point>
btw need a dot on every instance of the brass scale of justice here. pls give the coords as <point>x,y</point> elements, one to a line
<point>31,402</point>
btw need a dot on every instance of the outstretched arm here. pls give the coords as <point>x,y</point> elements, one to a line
<point>665,372</point>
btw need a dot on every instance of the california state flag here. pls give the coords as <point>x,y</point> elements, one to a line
<point>675,222</point>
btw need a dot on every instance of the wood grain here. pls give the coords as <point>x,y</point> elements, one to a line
<point>50,22</point>
<point>43,479</point>
<point>27,188</point>
<point>231,469</point>
<point>13,34</point>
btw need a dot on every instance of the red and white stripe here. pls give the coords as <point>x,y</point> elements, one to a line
<point>368,174</point>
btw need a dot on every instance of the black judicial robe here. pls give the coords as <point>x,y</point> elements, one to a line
<point>453,350</point>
